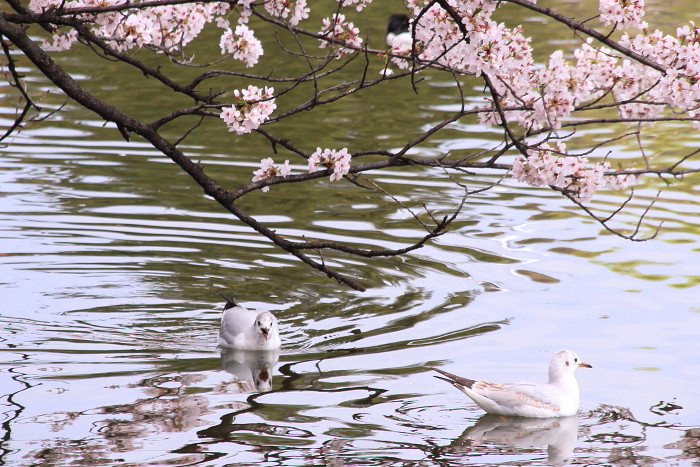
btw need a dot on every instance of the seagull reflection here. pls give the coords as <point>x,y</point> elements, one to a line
<point>252,368</point>
<point>558,434</point>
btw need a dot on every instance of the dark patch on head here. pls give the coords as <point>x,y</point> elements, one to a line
<point>398,23</point>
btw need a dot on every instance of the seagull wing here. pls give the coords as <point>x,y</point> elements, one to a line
<point>236,324</point>
<point>519,396</point>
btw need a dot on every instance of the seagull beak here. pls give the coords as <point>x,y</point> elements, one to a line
<point>265,332</point>
<point>584,365</point>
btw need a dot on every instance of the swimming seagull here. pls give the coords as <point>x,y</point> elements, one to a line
<point>246,329</point>
<point>557,398</point>
<point>398,36</point>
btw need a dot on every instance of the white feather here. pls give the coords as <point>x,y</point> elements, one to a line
<point>246,329</point>
<point>559,397</point>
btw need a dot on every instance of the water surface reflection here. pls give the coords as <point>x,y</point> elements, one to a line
<point>108,320</point>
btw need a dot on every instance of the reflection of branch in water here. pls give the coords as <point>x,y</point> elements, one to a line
<point>288,385</point>
<point>16,412</point>
<point>607,413</point>
<point>224,430</point>
<point>689,445</point>
<point>227,426</point>
<point>663,408</point>
<point>167,408</point>
<point>458,334</point>
<point>625,447</point>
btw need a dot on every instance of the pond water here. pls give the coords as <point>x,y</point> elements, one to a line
<point>110,260</point>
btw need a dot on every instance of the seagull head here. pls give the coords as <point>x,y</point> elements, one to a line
<point>565,361</point>
<point>397,23</point>
<point>265,324</point>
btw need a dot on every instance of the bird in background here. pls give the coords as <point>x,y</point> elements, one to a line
<point>559,397</point>
<point>246,329</point>
<point>398,35</point>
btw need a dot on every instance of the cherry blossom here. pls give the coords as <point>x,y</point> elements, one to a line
<point>359,4</point>
<point>296,11</point>
<point>166,28</point>
<point>622,13</point>
<point>336,28</point>
<point>253,108</point>
<point>338,161</point>
<point>546,166</point>
<point>241,44</point>
<point>536,96</point>
<point>269,169</point>
<point>619,182</point>
<point>60,41</point>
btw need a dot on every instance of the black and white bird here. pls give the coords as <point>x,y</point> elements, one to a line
<point>559,397</point>
<point>398,34</point>
<point>246,329</point>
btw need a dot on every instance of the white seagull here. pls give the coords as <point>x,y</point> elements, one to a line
<point>557,398</point>
<point>246,329</point>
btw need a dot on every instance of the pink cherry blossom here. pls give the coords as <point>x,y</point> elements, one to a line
<point>622,13</point>
<point>296,11</point>
<point>336,28</point>
<point>167,28</point>
<point>359,4</point>
<point>253,108</point>
<point>60,41</point>
<point>339,161</point>
<point>241,44</point>
<point>269,169</point>
<point>547,166</point>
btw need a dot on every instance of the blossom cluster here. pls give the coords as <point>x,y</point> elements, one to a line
<point>337,29</point>
<point>241,44</point>
<point>269,169</point>
<point>322,159</point>
<point>60,41</point>
<point>536,97</point>
<point>487,47</point>
<point>253,108</point>
<point>165,28</point>
<point>622,13</point>
<point>169,28</point>
<point>546,166</point>
<point>359,4</point>
<point>478,45</point>
<point>540,98</point>
<point>294,11</point>
<point>338,161</point>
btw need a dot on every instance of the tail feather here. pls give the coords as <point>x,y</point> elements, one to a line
<point>454,379</point>
<point>229,301</point>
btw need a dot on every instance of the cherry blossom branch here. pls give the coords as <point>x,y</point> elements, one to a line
<point>225,198</point>
<point>604,221</point>
<point>121,7</point>
<point>581,27</point>
<point>17,83</point>
<point>111,114</point>
<point>529,104</point>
